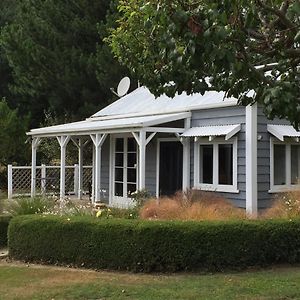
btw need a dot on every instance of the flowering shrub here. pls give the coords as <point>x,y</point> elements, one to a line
<point>29,206</point>
<point>140,197</point>
<point>286,206</point>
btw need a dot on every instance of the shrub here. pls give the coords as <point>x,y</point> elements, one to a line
<point>153,246</point>
<point>4,221</point>
<point>285,206</point>
<point>192,205</point>
<point>28,206</point>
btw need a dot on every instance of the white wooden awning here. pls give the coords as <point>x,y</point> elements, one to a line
<point>109,125</point>
<point>212,131</point>
<point>282,131</point>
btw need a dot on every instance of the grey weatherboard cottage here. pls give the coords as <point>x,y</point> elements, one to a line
<point>163,145</point>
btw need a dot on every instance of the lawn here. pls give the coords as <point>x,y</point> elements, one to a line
<point>19,281</point>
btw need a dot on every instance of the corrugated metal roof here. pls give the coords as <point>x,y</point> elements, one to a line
<point>203,131</point>
<point>281,131</point>
<point>143,101</point>
<point>98,125</point>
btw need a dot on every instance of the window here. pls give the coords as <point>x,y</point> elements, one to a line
<point>215,166</point>
<point>225,164</point>
<point>279,165</point>
<point>285,165</point>
<point>206,161</point>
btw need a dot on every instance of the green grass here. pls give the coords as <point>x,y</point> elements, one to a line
<point>41,282</point>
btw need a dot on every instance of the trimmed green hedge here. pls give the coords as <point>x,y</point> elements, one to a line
<point>153,245</point>
<point>4,221</point>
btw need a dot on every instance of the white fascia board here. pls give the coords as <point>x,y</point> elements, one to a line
<point>225,103</point>
<point>48,132</point>
<point>271,129</point>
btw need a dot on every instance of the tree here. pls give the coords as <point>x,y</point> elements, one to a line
<point>12,136</point>
<point>53,48</point>
<point>236,46</point>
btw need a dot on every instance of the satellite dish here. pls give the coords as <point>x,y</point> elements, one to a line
<point>123,86</point>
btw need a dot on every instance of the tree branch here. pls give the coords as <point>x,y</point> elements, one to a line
<point>279,13</point>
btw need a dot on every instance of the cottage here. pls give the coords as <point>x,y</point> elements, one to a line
<point>191,141</point>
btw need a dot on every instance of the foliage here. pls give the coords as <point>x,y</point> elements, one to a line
<point>241,45</point>
<point>153,246</point>
<point>55,53</point>
<point>285,206</point>
<point>4,221</point>
<point>191,206</point>
<point>12,135</point>
<point>28,206</point>
<point>140,197</point>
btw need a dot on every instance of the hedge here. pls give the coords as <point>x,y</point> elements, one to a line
<point>4,221</point>
<point>147,246</point>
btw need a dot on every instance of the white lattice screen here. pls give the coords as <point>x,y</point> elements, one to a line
<point>47,179</point>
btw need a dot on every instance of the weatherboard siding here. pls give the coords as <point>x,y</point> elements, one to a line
<point>263,160</point>
<point>226,116</point>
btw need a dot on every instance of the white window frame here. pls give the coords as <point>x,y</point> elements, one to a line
<point>288,166</point>
<point>215,186</point>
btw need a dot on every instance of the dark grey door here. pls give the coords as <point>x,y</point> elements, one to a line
<point>170,167</point>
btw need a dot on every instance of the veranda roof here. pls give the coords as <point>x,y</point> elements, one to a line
<point>105,125</point>
<point>282,131</point>
<point>205,131</point>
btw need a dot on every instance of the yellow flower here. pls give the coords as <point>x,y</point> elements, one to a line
<point>98,214</point>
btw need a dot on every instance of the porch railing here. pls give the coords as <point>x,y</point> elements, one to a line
<point>47,180</point>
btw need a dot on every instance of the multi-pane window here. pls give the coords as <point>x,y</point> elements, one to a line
<point>285,165</point>
<point>217,165</point>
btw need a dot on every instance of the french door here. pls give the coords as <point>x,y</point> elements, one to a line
<point>125,170</point>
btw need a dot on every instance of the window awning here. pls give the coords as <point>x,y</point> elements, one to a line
<point>212,131</point>
<point>282,131</point>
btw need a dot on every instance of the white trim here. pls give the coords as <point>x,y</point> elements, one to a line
<point>234,131</point>
<point>196,162</point>
<point>120,201</point>
<point>251,160</point>
<point>150,137</point>
<point>186,159</point>
<point>164,129</point>
<point>111,169</point>
<point>159,140</point>
<point>63,142</point>
<point>215,186</point>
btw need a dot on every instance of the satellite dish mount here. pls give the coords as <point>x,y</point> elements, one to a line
<point>123,87</point>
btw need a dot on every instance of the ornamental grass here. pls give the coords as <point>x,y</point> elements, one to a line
<point>193,205</point>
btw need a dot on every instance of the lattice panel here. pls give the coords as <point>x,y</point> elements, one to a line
<point>21,180</point>
<point>87,178</point>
